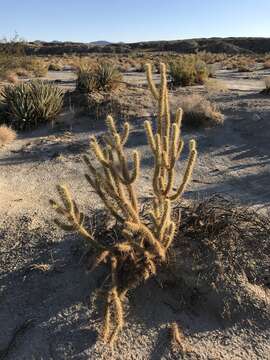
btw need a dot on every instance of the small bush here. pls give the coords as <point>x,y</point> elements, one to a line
<point>102,104</point>
<point>202,72</point>
<point>182,73</point>
<point>39,68</point>
<point>7,135</point>
<point>188,71</point>
<point>199,112</point>
<point>31,103</point>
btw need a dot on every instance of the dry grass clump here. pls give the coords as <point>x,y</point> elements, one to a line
<point>38,68</point>
<point>101,104</point>
<point>200,112</point>
<point>223,250</point>
<point>141,243</point>
<point>11,77</point>
<point>7,135</point>
<point>266,64</point>
<point>214,86</point>
<point>266,91</point>
<point>244,66</point>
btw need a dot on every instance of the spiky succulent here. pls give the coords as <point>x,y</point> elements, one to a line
<point>102,77</point>
<point>47,100</point>
<point>30,103</point>
<point>107,77</point>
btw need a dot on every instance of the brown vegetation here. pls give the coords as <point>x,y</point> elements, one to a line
<point>198,111</point>
<point>7,135</point>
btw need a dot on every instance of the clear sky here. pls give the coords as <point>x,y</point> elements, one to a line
<point>136,20</point>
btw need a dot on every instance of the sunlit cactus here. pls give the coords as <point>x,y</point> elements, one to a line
<point>143,245</point>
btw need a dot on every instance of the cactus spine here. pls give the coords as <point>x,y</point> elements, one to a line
<point>143,245</point>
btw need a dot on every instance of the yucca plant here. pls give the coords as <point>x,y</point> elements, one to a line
<point>107,77</point>
<point>47,100</point>
<point>19,105</point>
<point>86,81</point>
<point>102,77</point>
<point>28,104</point>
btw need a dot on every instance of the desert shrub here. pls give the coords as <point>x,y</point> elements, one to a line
<point>182,73</point>
<point>141,242</point>
<point>202,72</point>
<point>102,77</point>
<point>200,112</point>
<point>11,55</point>
<point>17,64</point>
<point>188,71</point>
<point>7,135</point>
<point>244,67</point>
<point>29,104</point>
<point>37,67</point>
<point>101,104</point>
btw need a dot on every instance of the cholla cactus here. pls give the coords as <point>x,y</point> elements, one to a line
<point>143,246</point>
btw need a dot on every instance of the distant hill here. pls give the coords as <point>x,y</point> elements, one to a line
<point>232,45</point>
<point>100,42</point>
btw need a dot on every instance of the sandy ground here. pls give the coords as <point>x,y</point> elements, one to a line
<point>53,310</point>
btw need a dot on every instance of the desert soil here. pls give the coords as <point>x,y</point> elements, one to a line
<point>48,312</point>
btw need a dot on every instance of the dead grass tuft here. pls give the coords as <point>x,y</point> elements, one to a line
<point>223,249</point>
<point>266,90</point>
<point>11,77</point>
<point>266,64</point>
<point>7,135</point>
<point>214,86</point>
<point>200,112</point>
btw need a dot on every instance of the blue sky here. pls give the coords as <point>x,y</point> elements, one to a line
<point>136,20</point>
